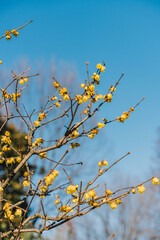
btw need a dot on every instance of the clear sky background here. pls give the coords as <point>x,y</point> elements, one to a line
<point>125,34</point>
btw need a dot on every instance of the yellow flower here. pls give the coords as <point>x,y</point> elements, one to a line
<point>43,155</point>
<point>18,95</point>
<point>72,189</point>
<point>109,192</point>
<point>63,91</point>
<point>73,145</point>
<point>5,148</point>
<point>75,200</point>
<point>100,125</point>
<point>21,81</point>
<point>92,193</point>
<point>25,183</point>
<point>91,87</point>
<point>43,188</point>
<point>6,206</point>
<point>66,97</point>
<point>51,177</point>
<point>42,196</point>
<point>133,191</point>
<point>86,196</point>
<point>10,160</point>
<point>97,77</point>
<point>18,212</point>
<point>131,109</point>
<point>11,217</point>
<point>102,68</point>
<point>82,85</point>
<point>86,98</point>
<point>75,133</point>
<point>112,89</point>
<point>8,34</point>
<point>36,123</point>
<point>56,85</point>
<point>98,96</point>
<point>57,201</point>
<point>93,133</point>
<point>18,159</point>
<point>102,163</point>
<point>14,98</point>
<point>15,33</point>
<point>41,116</point>
<point>57,104</point>
<point>108,97</point>
<point>118,201</point>
<point>113,205</point>
<point>155,181</point>
<point>0,61</point>
<point>79,99</point>
<point>85,111</point>
<point>126,114</point>
<point>141,189</point>
<point>25,174</point>
<point>99,66</point>
<point>54,98</point>
<point>25,79</point>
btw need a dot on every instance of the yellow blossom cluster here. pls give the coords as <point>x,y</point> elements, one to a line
<point>37,142</point>
<point>93,133</point>
<point>100,125</point>
<point>101,67</point>
<point>6,138</point>
<point>57,201</point>
<point>109,192</point>
<point>10,160</point>
<point>90,194</point>
<point>41,116</point>
<point>13,96</point>
<point>51,177</point>
<point>123,117</point>
<point>102,163</point>
<point>23,80</point>
<point>8,212</point>
<point>43,155</point>
<point>9,33</point>
<point>72,189</point>
<point>96,75</point>
<point>73,145</point>
<point>108,97</point>
<point>65,208</point>
<point>7,141</point>
<point>43,188</point>
<point>64,94</point>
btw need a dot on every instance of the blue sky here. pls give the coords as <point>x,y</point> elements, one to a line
<point>125,34</point>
